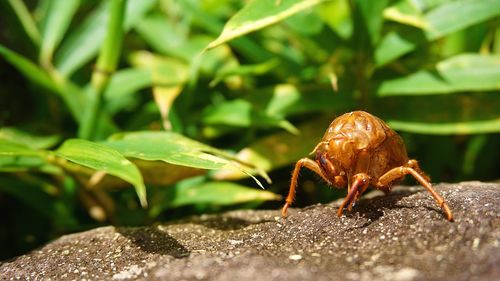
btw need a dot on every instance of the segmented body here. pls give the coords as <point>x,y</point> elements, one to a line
<point>359,150</point>
<point>358,142</point>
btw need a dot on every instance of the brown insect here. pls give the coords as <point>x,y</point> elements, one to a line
<point>359,150</point>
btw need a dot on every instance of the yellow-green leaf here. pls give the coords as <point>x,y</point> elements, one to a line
<point>259,14</point>
<point>103,158</point>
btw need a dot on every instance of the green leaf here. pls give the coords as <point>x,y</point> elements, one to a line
<point>307,23</point>
<point>217,193</point>
<point>27,21</point>
<point>397,43</point>
<point>69,92</point>
<point>337,15</point>
<point>127,81</point>
<point>213,25</point>
<point>169,76</point>
<point>203,194</point>
<point>470,40</point>
<point>156,173</point>
<point>406,12</point>
<point>244,70</point>
<point>443,17</point>
<point>18,163</point>
<point>280,149</point>
<point>461,128</point>
<point>461,113</point>
<point>56,23</point>
<point>287,99</point>
<point>371,13</point>
<point>163,35</point>
<point>176,149</point>
<point>165,71</point>
<point>207,63</point>
<point>468,72</point>
<point>18,157</point>
<point>8,148</point>
<point>456,15</point>
<point>259,14</point>
<point>30,140</point>
<point>84,42</point>
<point>240,113</point>
<point>123,88</point>
<point>30,70</point>
<point>103,158</point>
<point>439,22</point>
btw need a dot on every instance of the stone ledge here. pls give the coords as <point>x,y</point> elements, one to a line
<point>402,236</point>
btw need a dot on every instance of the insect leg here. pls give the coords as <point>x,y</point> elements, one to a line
<point>414,164</point>
<point>358,186</point>
<point>330,173</point>
<point>401,171</point>
<point>306,163</point>
<point>361,190</point>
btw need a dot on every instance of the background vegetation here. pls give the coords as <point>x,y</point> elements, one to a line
<point>100,96</point>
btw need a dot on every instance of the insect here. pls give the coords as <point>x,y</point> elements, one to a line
<point>359,150</point>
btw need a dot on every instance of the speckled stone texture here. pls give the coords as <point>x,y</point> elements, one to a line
<point>402,236</point>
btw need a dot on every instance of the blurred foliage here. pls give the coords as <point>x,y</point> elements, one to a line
<point>98,96</point>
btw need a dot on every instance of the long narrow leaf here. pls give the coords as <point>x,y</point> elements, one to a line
<point>218,193</point>
<point>103,158</point>
<point>469,72</point>
<point>56,22</point>
<point>83,44</point>
<point>240,113</point>
<point>178,150</point>
<point>371,13</point>
<point>26,20</point>
<point>461,113</point>
<point>123,87</point>
<point>456,15</point>
<point>28,69</point>
<point>69,92</point>
<point>9,148</point>
<point>28,139</point>
<point>258,14</point>
<point>462,128</point>
<point>437,23</point>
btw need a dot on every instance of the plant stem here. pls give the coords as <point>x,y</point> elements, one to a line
<point>106,65</point>
<point>26,20</point>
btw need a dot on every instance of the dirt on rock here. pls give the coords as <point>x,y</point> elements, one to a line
<point>401,236</point>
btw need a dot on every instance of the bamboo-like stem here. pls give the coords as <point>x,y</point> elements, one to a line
<point>105,66</point>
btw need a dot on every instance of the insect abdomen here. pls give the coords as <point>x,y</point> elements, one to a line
<point>360,129</point>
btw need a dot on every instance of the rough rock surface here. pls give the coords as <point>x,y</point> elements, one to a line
<point>402,236</point>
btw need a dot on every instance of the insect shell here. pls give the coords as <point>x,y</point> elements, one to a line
<point>359,150</point>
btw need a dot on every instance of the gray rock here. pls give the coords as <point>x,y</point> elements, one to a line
<point>402,236</point>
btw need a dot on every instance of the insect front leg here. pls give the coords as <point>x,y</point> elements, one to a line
<point>359,185</point>
<point>306,163</point>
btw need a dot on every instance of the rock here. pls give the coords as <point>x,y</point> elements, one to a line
<point>401,236</point>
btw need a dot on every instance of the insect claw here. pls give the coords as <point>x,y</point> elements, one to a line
<point>284,211</point>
